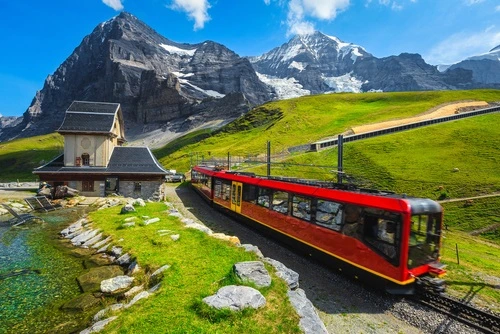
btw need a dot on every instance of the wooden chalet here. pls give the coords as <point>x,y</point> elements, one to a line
<point>94,161</point>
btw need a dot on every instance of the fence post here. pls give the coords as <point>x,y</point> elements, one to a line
<point>458,257</point>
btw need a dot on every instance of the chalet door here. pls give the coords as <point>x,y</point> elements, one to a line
<point>236,194</point>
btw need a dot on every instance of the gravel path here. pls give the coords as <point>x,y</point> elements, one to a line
<point>344,305</point>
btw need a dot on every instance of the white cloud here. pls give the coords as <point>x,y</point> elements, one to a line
<point>197,10</point>
<point>393,4</point>
<point>115,4</point>
<point>300,10</point>
<point>472,2</point>
<point>459,46</point>
<point>267,2</point>
<point>497,8</point>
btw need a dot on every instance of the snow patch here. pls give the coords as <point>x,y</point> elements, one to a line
<point>208,92</point>
<point>285,88</point>
<point>178,51</point>
<point>298,65</point>
<point>344,83</point>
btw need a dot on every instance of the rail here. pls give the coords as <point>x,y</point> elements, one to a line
<point>324,144</point>
<point>486,322</point>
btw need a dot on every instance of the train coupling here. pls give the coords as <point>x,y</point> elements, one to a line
<point>436,269</point>
<point>430,284</point>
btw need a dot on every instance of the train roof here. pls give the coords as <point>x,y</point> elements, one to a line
<point>330,190</point>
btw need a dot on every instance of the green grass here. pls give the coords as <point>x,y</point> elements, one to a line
<point>200,265</point>
<point>310,118</point>
<point>19,157</point>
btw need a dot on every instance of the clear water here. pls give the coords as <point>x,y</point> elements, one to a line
<point>30,302</point>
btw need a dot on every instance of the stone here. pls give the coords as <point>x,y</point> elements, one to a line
<point>254,272</point>
<point>175,237</point>
<point>133,268</point>
<point>81,303</point>
<point>103,248</point>
<point>111,308</point>
<point>252,248</point>
<point>101,243</point>
<point>231,239</point>
<point>310,323</point>
<point>236,298</point>
<point>157,275</point>
<point>135,290</point>
<point>130,224</point>
<point>93,240</point>
<point>139,202</point>
<point>129,219</point>
<point>288,275</point>
<point>116,251</point>
<point>85,236</point>
<point>98,326</point>
<point>98,260</point>
<point>116,284</point>
<point>124,259</point>
<point>139,296</point>
<point>91,281</point>
<point>151,221</point>
<point>200,227</point>
<point>127,209</point>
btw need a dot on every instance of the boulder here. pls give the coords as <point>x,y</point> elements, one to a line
<point>236,298</point>
<point>252,248</point>
<point>91,281</point>
<point>127,208</point>
<point>254,272</point>
<point>102,313</point>
<point>151,221</point>
<point>81,303</point>
<point>139,296</point>
<point>116,284</point>
<point>98,326</point>
<point>101,243</point>
<point>288,275</point>
<point>124,259</point>
<point>309,322</point>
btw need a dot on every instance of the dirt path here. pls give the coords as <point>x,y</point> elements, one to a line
<point>445,110</point>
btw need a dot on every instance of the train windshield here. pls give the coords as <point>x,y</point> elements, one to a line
<point>424,239</point>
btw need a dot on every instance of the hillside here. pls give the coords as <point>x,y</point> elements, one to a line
<point>19,157</point>
<point>307,119</point>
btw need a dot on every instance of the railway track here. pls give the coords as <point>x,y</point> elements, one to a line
<point>484,321</point>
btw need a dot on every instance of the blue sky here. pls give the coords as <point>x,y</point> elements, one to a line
<point>37,36</point>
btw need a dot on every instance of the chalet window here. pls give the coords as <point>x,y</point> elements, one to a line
<point>85,159</point>
<point>87,185</point>
<point>137,187</point>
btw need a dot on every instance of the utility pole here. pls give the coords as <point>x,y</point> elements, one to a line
<point>268,158</point>
<point>340,167</point>
<point>228,161</point>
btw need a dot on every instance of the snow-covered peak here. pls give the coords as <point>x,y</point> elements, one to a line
<point>493,54</point>
<point>178,51</point>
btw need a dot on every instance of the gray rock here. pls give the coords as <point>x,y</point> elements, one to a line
<point>103,248</point>
<point>101,243</point>
<point>175,237</point>
<point>139,202</point>
<point>132,292</point>
<point>130,219</point>
<point>81,303</point>
<point>252,248</point>
<point>288,275</point>
<point>102,313</point>
<point>124,259</point>
<point>139,296</point>
<point>127,209</point>
<point>115,284</point>
<point>160,270</point>
<point>236,298</point>
<point>91,281</point>
<point>133,268</point>
<point>254,272</point>
<point>116,251</point>
<point>85,236</point>
<point>200,227</point>
<point>151,221</point>
<point>93,240</point>
<point>309,319</point>
<point>98,326</point>
<point>130,224</point>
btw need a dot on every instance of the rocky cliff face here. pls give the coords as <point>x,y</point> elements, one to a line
<point>155,80</point>
<point>317,63</point>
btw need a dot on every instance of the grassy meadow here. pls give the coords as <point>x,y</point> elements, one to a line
<point>200,265</point>
<point>19,157</point>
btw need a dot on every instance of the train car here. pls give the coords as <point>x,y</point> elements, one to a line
<point>387,240</point>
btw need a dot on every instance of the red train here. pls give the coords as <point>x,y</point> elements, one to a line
<point>385,239</point>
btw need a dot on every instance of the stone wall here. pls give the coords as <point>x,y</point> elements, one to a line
<point>147,188</point>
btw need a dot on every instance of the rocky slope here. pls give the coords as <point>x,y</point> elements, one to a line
<point>155,80</point>
<point>485,68</point>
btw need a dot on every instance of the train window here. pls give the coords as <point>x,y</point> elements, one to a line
<point>250,193</point>
<point>225,189</point>
<point>280,202</point>
<point>381,231</point>
<point>218,189</point>
<point>329,214</point>
<point>301,207</point>
<point>263,197</point>
<point>353,221</point>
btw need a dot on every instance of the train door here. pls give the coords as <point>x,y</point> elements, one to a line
<point>236,193</point>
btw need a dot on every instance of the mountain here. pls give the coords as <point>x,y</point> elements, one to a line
<point>317,63</point>
<point>485,68</point>
<point>156,80</point>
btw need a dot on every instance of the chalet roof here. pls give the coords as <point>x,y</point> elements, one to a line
<point>124,160</point>
<point>94,117</point>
